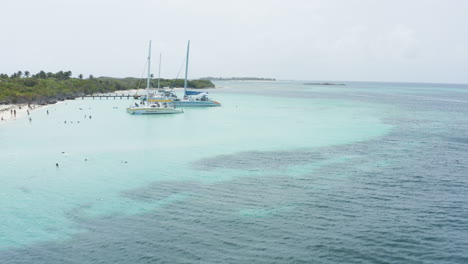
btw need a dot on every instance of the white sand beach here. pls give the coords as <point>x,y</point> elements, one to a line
<point>7,112</point>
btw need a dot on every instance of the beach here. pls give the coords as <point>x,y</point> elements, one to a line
<point>22,109</point>
<point>7,112</point>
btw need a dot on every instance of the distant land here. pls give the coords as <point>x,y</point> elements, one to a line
<point>237,79</point>
<point>324,83</point>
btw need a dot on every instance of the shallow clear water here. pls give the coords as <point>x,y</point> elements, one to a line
<point>282,172</point>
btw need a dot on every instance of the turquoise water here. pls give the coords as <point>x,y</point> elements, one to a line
<point>282,172</point>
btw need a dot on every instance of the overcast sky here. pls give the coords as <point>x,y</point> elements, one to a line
<point>343,40</point>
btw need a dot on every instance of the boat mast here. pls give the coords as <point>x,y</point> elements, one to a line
<point>159,74</point>
<point>149,71</point>
<point>186,69</point>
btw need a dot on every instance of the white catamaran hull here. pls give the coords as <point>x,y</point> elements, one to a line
<point>155,105</point>
<point>193,99</point>
<point>196,103</point>
<point>147,111</point>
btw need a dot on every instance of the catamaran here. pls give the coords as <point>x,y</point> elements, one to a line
<point>193,98</point>
<point>152,105</point>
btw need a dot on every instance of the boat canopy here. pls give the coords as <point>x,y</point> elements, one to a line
<point>193,92</point>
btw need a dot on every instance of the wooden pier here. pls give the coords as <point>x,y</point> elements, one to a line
<point>110,96</point>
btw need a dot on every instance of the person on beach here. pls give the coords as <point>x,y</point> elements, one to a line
<point>47,111</point>
<point>14,112</point>
<point>30,119</point>
<point>27,111</point>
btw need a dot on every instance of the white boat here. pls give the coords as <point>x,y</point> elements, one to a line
<point>154,106</point>
<point>150,105</point>
<point>161,93</point>
<point>193,98</point>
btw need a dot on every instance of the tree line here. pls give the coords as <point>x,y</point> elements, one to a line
<point>47,87</point>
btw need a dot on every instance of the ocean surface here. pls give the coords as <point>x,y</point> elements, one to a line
<point>282,173</point>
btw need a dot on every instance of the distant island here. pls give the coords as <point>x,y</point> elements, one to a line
<point>237,79</point>
<point>47,87</point>
<point>324,83</point>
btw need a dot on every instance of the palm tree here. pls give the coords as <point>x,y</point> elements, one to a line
<point>67,75</point>
<point>41,75</point>
<point>80,76</point>
<point>26,74</point>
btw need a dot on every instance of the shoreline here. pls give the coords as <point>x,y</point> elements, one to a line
<point>22,109</point>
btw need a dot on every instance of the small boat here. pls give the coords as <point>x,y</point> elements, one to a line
<point>154,106</point>
<point>149,105</point>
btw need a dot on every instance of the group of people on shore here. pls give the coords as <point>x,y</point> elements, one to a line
<point>13,111</point>
<point>30,107</point>
<point>12,114</point>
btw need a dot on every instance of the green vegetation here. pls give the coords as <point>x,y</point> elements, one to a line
<point>135,82</point>
<point>43,88</point>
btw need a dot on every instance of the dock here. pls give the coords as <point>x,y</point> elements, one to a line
<point>110,96</point>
